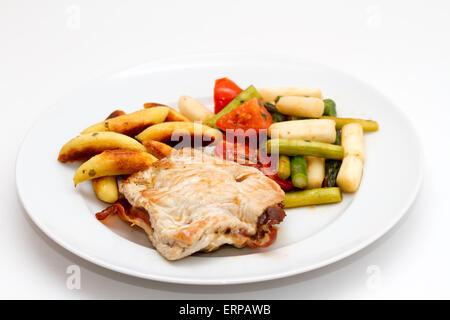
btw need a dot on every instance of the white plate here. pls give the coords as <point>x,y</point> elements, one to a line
<point>308,238</point>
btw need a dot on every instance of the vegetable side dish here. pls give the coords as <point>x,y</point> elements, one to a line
<point>194,180</point>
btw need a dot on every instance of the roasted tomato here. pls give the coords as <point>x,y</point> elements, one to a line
<point>250,115</point>
<point>225,90</point>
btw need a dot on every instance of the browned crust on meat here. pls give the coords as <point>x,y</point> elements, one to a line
<point>189,234</point>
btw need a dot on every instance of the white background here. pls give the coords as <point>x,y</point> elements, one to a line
<point>400,47</point>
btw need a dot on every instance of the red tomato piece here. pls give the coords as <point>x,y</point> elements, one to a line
<point>225,90</point>
<point>237,152</point>
<point>250,115</point>
<point>286,185</point>
<point>245,155</point>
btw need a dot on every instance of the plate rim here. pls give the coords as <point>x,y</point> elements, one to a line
<point>249,279</point>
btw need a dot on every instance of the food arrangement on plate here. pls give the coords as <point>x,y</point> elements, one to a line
<point>195,180</point>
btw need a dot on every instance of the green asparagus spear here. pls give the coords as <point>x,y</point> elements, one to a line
<point>284,167</point>
<point>367,125</point>
<point>299,173</point>
<point>330,108</point>
<point>338,137</point>
<point>243,97</point>
<point>276,116</point>
<point>297,147</point>
<point>289,118</point>
<point>312,197</point>
<point>331,171</point>
<point>332,166</point>
<point>270,107</point>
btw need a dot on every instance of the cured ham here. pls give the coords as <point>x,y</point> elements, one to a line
<point>198,202</point>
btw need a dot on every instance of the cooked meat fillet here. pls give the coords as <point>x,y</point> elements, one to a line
<point>198,202</point>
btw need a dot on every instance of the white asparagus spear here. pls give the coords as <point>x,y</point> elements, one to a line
<point>308,107</point>
<point>322,130</point>
<point>316,171</point>
<point>193,110</point>
<point>350,174</point>
<point>270,94</point>
<point>352,140</point>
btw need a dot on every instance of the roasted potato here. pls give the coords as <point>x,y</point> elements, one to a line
<point>105,189</point>
<point>173,114</point>
<point>132,123</point>
<point>158,149</point>
<point>87,145</point>
<point>113,163</point>
<point>164,132</point>
<point>115,114</point>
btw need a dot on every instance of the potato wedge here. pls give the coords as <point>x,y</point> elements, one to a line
<point>113,163</point>
<point>164,132</point>
<point>132,123</point>
<point>115,114</point>
<point>158,149</point>
<point>88,145</point>
<point>106,189</point>
<point>173,114</point>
